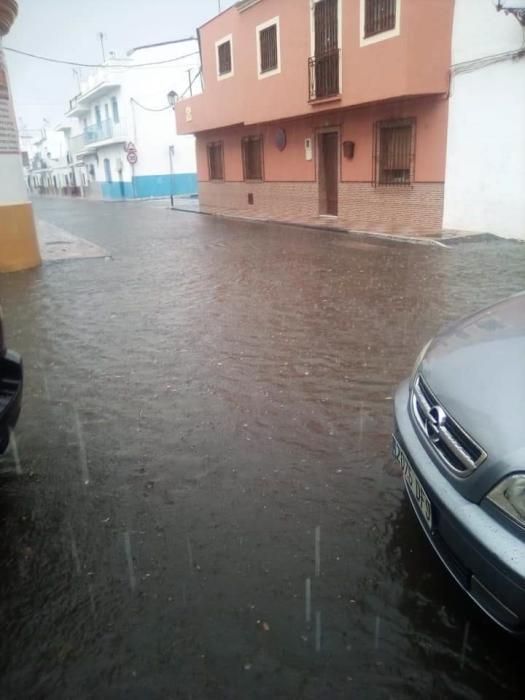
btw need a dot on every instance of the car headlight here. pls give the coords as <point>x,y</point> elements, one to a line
<point>420,357</point>
<point>509,496</point>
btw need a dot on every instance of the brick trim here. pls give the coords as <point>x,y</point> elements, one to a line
<point>415,209</point>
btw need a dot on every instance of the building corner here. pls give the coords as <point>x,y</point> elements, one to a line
<point>18,240</point>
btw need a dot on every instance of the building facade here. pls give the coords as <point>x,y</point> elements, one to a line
<point>50,166</point>
<point>485,174</point>
<point>325,110</point>
<point>125,134</point>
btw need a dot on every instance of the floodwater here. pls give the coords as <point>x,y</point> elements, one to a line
<point>202,502</point>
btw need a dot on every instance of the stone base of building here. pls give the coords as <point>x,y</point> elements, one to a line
<point>414,209</point>
<point>18,240</point>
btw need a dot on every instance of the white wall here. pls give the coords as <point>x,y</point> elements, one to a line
<point>12,183</point>
<point>155,131</point>
<point>485,173</point>
<point>144,115</point>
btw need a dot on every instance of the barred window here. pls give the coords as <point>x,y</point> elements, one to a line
<point>224,56</point>
<point>268,49</point>
<point>252,157</point>
<point>216,161</point>
<point>394,152</point>
<point>380,16</point>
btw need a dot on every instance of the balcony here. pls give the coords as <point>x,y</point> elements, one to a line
<point>104,132</point>
<point>76,109</point>
<point>103,82</point>
<point>324,75</point>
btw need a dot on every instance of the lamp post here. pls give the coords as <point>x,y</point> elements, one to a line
<point>172,101</point>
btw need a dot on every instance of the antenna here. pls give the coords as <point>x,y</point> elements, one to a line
<point>101,38</point>
<point>76,72</point>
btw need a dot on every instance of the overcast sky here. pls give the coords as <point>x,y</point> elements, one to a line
<point>68,29</point>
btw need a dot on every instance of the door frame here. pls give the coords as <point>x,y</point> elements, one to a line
<point>327,130</point>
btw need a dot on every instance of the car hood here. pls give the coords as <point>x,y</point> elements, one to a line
<point>476,369</point>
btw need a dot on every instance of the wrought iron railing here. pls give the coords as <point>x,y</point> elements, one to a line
<point>324,75</point>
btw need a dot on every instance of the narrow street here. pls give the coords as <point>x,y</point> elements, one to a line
<point>201,502</point>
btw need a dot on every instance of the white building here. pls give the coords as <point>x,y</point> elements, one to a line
<point>50,167</point>
<point>126,132</point>
<point>485,174</point>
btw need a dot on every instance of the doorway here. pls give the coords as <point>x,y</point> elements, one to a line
<point>328,173</point>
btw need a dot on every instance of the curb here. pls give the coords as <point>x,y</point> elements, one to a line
<point>374,235</point>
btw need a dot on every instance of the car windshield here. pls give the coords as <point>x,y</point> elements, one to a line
<point>227,231</point>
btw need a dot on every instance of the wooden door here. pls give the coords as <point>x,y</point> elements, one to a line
<point>328,173</point>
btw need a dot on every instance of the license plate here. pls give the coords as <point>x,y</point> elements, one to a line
<point>412,483</point>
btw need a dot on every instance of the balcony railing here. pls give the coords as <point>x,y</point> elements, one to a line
<point>323,75</point>
<point>93,134</point>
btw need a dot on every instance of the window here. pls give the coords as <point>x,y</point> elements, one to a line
<point>114,107</point>
<point>380,16</point>
<point>98,118</point>
<point>268,50</point>
<point>252,157</point>
<point>106,111</point>
<point>323,66</point>
<point>216,161</point>
<point>394,152</point>
<point>224,57</point>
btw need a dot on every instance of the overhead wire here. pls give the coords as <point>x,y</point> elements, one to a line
<point>150,109</point>
<point>163,109</point>
<point>98,65</point>
<point>478,63</point>
<point>197,75</point>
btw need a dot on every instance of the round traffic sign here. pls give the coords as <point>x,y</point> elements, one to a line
<point>132,157</point>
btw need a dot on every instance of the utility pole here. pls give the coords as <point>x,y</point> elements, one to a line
<point>219,4</point>
<point>101,37</point>
<point>171,154</point>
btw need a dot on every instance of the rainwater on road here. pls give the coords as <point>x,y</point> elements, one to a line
<point>202,502</point>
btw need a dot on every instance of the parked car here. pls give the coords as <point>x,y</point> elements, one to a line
<point>11,384</point>
<point>460,439</point>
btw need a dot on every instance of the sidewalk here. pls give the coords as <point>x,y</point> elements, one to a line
<point>57,244</point>
<point>442,239</point>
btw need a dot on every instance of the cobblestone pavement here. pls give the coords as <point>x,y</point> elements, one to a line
<point>202,502</point>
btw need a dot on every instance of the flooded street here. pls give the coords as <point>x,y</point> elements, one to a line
<point>202,502</point>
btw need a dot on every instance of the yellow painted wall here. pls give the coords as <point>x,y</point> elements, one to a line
<point>18,241</point>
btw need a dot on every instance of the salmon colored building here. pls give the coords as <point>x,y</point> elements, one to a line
<point>325,111</point>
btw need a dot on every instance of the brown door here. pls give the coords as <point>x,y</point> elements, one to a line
<point>328,173</point>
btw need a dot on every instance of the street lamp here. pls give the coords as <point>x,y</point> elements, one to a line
<point>172,98</point>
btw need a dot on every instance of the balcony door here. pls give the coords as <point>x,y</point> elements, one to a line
<point>328,159</point>
<point>326,40</point>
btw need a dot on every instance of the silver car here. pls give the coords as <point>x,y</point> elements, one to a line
<point>460,439</point>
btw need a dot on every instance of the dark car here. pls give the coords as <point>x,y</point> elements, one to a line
<point>11,383</point>
<point>460,438</point>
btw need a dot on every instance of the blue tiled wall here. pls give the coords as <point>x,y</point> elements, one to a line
<point>151,186</point>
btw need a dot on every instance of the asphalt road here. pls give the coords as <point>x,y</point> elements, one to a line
<point>202,502</point>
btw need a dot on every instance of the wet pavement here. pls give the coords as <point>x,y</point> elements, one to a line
<point>202,503</point>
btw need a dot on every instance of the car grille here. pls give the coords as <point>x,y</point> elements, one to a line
<point>460,453</point>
